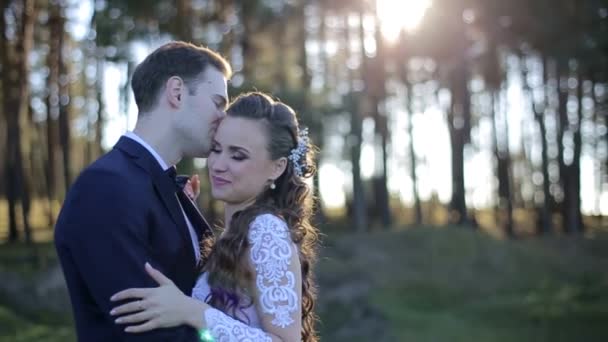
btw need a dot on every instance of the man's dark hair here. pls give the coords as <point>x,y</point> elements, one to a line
<point>182,59</point>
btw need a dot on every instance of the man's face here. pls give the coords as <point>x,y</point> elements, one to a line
<point>202,112</point>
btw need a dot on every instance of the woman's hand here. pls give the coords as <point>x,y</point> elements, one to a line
<point>193,187</point>
<point>160,307</point>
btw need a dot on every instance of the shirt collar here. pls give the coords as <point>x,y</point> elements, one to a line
<point>158,158</point>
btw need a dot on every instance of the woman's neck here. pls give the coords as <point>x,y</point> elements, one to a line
<point>231,208</point>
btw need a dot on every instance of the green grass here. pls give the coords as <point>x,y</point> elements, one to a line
<point>423,284</point>
<point>27,260</point>
<point>450,284</point>
<point>15,328</point>
<point>439,313</point>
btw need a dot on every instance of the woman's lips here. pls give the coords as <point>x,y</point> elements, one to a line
<point>219,181</point>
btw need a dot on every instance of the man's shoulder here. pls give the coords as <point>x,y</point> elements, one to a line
<point>104,188</point>
<point>113,175</point>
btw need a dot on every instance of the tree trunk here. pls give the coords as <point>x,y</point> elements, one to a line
<point>16,105</point>
<point>100,107</point>
<point>598,165</point>
<point>359,207</point>
<point>279,32</point>
<point>459,136</point>
<point>305,83</point>
<point>564,179</point>
<point>24,46</point>
<point>503,167</point>
<point>64,113</point>
<point>52,106</point>
<point>378,84</point>
<point>574,222</point>
<point>545,225</point>
<point>247,8</point>
<point>412,150</point>
<point>184,16</point>
<point>9,111</point>
<point>99,82</point>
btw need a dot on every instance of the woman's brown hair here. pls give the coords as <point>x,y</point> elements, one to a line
<point>291,200</point>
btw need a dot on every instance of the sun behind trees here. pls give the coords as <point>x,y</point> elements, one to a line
<point>519,148</point>
<point>463,151</point>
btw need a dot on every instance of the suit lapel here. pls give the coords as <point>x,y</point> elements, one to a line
<point>163,184</point>
<point>202,228</point>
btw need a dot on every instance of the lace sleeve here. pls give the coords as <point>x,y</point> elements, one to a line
<point>277,292</point>
<point>224,328</point>
<point>278,278</point>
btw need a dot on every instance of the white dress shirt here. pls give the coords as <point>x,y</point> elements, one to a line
<point>164,166</point>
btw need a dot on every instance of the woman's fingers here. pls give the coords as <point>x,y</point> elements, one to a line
<point>196,185</point>
<point>134,306</point>
<point>149,325</point>
<point>157,275</point>
<point>136,318</point>
<point>189,190</point>
<point>130,293</point>
<point>193,187</point>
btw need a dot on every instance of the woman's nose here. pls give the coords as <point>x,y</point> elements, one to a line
<point>218,163</point>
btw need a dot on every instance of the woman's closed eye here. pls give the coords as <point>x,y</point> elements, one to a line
<point>235,156</point>
<point>239,156</point>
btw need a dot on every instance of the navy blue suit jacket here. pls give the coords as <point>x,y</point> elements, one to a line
<point>121,212</point>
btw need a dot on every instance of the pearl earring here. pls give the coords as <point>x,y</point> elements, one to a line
<point>273,186</point>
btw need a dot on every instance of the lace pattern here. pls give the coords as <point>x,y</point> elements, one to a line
<point>271,254</point>
<point>226,329</point>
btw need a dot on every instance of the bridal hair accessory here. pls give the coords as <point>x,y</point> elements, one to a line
<point>296,154</point>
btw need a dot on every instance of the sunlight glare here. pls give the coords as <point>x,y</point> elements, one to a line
<point>331,179</point>
<point>396,15</point>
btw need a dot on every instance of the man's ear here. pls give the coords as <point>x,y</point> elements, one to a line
<point>279,167</point>
<point>175,89</point>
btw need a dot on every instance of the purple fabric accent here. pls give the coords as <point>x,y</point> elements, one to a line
<point>230,302</point>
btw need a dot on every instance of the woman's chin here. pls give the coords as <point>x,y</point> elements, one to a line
<point>219,194</point>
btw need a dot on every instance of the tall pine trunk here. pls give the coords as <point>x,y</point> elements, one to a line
<point>412,150</point>
<point>574,218</point>
<point>359,205</point>
<point>16,108</point>
<point>52,107</point>
<point>64,113</point>
<point>377,80</point>
<point>9,113</point>
<point>458,125</point>
<point>503,167</point>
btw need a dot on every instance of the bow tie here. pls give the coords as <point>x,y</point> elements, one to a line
<point>179,181</point>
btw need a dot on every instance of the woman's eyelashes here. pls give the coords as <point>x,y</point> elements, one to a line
<point>238,156</point>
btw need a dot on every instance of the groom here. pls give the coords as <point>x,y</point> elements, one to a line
<point>125,209</point>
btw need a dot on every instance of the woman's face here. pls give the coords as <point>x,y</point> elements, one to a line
<point>240,167</point>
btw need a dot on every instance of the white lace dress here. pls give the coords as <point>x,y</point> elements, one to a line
<point>277,297</point>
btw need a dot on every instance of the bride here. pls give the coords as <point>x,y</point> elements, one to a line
<point>256,278</point>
